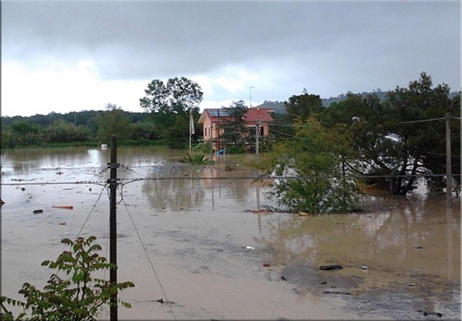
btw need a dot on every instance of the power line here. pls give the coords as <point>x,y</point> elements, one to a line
<point>149,258</point>
<point>92,209</point>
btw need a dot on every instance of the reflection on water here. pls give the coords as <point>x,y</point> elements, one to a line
<point>398,238</point>
<point>405,234</point>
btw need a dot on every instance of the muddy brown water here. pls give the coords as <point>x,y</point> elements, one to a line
<point>203,245</point>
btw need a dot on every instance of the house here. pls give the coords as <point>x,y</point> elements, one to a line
<point>212,117</point>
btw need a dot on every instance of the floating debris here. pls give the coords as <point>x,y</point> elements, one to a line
<point>38,211</point>
<point>439,315</point>
<point>64,207</point>
<point>337,292</point>
<point>266,264</point>
<point>249,248</point>
<point>283,278</point>
<point>364,267</point>
<point>330,267</point>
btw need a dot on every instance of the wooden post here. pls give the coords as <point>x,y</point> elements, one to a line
<point>113,165</point>
<point>448,162</point>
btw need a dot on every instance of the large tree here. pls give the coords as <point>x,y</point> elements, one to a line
<point>300,107</point>
<point>177,95</point>
<point>171,104</point>
<point>399,138</point>
<point>233,125</point>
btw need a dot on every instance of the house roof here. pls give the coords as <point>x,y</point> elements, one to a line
<point>262,114</point>
<point>252,115</point>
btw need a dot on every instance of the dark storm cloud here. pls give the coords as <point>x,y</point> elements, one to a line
<point>144,40</point>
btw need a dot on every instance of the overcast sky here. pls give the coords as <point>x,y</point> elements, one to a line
<point>72,56</point>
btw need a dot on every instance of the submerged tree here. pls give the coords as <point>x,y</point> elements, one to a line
<point>310,166</point>
<point>77,297</point>
<point>113,121</point>
<point>400,138</point>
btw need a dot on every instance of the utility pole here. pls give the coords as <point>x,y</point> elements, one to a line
<point>257,136</point>
<point>113,165</point>
<point>448,162</point>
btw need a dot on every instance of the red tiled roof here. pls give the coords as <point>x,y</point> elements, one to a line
<point>261,114</point>
<point>252,115</point>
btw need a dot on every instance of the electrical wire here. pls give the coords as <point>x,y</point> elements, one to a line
<point>149,258</point>
<point>92,209</point>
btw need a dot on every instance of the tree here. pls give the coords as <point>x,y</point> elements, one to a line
<point>235,132</point>
<point>313,178</point>
<point>76,298</point>
<point>113,121</point>
<point>178,95</point>
<point>170,105</point>
<point>397,139</point>
<point>300,107</point>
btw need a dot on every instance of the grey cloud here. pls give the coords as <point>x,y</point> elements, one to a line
<point>146,40</point>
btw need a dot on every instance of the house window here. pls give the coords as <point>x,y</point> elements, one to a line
<point>262,132</point>
<point>205,131</point>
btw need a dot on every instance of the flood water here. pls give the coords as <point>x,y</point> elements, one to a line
<point>199,236</point>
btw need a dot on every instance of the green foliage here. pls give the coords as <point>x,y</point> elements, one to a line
<point>203,148</point>
<point>22,134</point>
<point>236,149</point>
<point>234,130</point>
<point>76,297</point>
<point>176,96</point>
<point>388,138</point>
<point>64,132</point>
<point>300,107</point>
<point>316,161</point>
<point>196,159</point>
<point>145,130</point>
<point>170,105</point>
<point>113,121</point>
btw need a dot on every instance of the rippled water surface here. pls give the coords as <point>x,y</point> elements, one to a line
<point>215,252</point>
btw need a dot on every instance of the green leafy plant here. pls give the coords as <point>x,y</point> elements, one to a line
<point>196,159</point>
<point>77,296</point>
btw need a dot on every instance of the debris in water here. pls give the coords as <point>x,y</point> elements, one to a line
<point>411,284</point>
<point>337,292</point>
<point>330,267</point>
<point>419,247</point>
<point>324,282</point>
<point>262,211</point>
<point>266,264</point>
<point>303,214</point>
<point>64,207</point>
<point>364,267</point>
<point>249,248</point>
<point>439,315</point>
<point>23,189</point>
<point>62,223</point>
<point>38,211</point>
<point>283,278</point>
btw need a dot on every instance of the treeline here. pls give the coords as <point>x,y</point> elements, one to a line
<point>91,128</point>
<point>392,140</point>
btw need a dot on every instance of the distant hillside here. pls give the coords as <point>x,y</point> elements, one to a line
<point>279,107</point>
